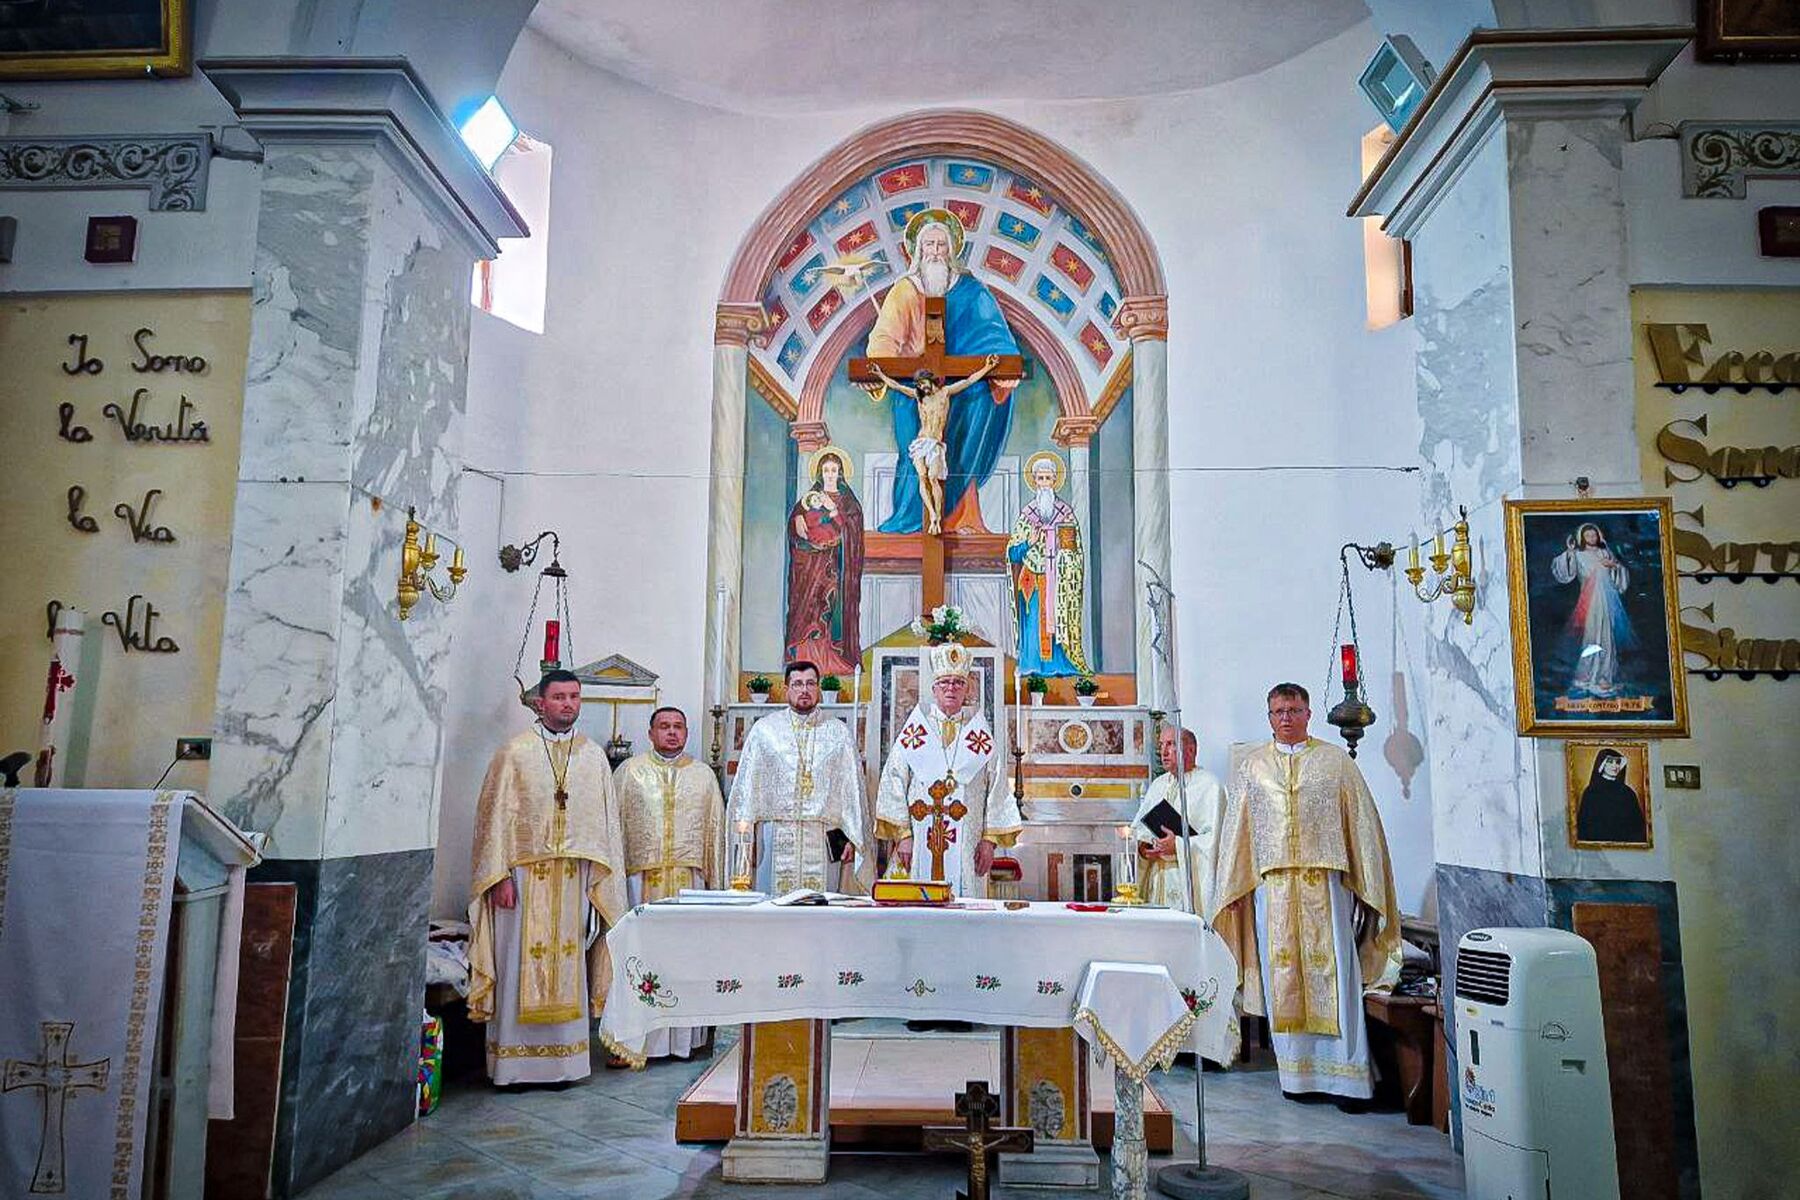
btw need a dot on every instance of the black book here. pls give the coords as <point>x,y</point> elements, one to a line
<point>835,841</point>
<point>1162,817</point>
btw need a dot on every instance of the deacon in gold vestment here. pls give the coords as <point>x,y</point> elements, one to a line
<point>674,823</point>
<point>549,859</point>
<point>1305,899</point>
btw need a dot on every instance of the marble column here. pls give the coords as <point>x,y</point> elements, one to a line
<point>1145,320</point>
<point>328,732</point>
<point>1510,188</point>
<point>733,327</point>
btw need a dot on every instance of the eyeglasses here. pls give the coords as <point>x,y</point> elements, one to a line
<point>1279,713</point>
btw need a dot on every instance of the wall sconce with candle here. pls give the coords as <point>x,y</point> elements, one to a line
<point>416,564</point>
<point>1452,570</point>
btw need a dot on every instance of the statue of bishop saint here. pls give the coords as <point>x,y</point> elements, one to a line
<point>798,779</point>
<point>1304,897</point>
<point>674,823</point>
<point>549,880</point>
<point>943,796</point>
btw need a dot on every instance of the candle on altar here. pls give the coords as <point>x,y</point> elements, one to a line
<point>719,692</point>
<point>552,644</point>
<point>1019,708</point>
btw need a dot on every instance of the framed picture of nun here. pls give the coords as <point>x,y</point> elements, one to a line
<point>1609,795</point>
<point>1595,627</point>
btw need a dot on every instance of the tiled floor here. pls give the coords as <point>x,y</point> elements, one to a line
<point>612,1136</point>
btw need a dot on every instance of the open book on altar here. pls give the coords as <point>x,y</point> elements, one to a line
<point>805,896</point>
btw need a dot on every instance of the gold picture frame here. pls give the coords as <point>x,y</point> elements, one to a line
<point>1599,816</point>
<point>59,50</point>
<point>1595,626</point>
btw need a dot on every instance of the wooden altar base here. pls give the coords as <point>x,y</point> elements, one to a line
<point>884,1089</point>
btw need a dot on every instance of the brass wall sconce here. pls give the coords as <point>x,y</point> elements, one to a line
<point>416,563</point>
<point>1452,570</point>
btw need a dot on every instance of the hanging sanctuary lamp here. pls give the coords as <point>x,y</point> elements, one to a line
<point>558,638</point>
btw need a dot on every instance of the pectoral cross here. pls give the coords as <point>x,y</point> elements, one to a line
<point>937,838</point>
<point>977,1106</point>
<point>948,368</point>
<point>58,1079</point>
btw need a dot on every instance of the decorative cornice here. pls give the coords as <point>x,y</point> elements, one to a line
<point>949,131</point>
<point>1718,160</point>
<point>379,102</point>
<point>1143,318</point>
<point>810,435</point>
<point>1074,431</point>
<point>172,169</point>
<point>1541,73</point>
<point>1115,388</point>
<point>764,384</point>
<point>738,324</point>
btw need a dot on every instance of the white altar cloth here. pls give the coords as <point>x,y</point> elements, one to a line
<point>677,964</point>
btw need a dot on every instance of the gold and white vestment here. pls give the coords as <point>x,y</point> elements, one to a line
<point>798,777</point>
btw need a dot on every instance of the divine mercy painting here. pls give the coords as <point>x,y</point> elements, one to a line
<point>1594,617</point>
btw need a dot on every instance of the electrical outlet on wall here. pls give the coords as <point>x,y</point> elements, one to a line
<point>193,749</point>
<point>1678,776</point>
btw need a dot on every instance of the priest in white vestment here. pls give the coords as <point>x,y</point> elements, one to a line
<point>549,869</point>
<point>798,778</point>
<point>1305,899</point>
<point>943,798</point>
<point>1165,857</point>
<point>674,822</point>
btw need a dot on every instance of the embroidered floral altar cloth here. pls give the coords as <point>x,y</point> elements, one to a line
<point>677,964</point>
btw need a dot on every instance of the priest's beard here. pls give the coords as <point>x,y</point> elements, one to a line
<point>935,278</point>
<point>1045,503</point>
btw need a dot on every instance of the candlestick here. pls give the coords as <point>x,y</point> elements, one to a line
<point>719,694</point>
<point>1127,891</point>
<point>1413,560</point>
<point>740,873</point>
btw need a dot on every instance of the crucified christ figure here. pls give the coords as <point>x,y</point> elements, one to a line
<point>927,450</point>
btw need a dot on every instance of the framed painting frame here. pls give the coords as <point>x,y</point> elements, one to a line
<point>1582,757</point>
<point>171,54</point>
<point>1596,634</point>
<point>1747,31</point>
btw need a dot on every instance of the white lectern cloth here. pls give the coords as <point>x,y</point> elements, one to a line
<point>86,879</point>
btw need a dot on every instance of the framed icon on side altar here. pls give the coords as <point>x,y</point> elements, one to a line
<point>1609,795</point>
<point>94,39</point>
<point>1595,628</point>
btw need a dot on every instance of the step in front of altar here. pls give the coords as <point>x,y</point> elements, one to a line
<point>885,1088</point>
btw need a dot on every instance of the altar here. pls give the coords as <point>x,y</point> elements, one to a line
<point>1130,984</point>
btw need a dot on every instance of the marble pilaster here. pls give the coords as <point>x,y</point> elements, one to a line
<point>1149,329</point>
<point>725,505</point>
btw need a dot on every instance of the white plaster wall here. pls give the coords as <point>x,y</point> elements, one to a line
<point>601,424</point>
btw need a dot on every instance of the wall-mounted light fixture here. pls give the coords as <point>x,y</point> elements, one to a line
<point>416,563</point>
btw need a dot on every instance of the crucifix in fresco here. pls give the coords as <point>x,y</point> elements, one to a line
<point>940,318</point>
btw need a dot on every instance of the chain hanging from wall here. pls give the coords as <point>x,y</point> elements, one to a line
<point>559,639</point>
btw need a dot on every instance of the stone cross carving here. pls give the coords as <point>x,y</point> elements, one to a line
<point>58,1078</point>
<point>937,838</point>
<point>948,368</point>
<point>976,1137</point>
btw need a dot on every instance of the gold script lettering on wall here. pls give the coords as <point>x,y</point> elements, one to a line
<point>126,408</point>
<point>1718,419</point>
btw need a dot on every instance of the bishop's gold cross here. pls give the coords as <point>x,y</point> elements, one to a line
<point>937,838</point>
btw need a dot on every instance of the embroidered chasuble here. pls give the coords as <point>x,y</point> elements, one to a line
<point>798,777</point>
<point>533,975</point>
<point>674,822</point>
<point>1300,847</point>
<point>942,786</point>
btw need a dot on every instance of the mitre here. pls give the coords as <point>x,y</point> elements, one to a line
<point>951,658</point>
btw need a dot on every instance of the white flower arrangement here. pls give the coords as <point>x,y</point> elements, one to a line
<point>944,623</point>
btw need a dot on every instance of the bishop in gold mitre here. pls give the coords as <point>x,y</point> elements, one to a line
<point>943,798</point>
<point>549,878</point>
<point>674,823</point>
<point>1304,896</point>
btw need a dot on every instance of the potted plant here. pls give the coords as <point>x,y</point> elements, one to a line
<point>829,687</point>
<point>760,687</point>
<point>1038,687</point>
<point>1086,690</point>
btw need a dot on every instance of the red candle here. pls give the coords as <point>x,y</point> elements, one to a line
<point>1347,655</point>
<point>553,642</point>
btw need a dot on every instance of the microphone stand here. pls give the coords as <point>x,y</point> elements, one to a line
<point>1196,1180</point>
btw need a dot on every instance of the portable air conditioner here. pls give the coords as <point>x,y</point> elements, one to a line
<point>1531,1049</point>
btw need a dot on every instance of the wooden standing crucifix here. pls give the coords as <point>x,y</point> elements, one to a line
<point>937,838</point>
<point>58,1077</point>
<point>949,368</point>
<point>977,1106</point>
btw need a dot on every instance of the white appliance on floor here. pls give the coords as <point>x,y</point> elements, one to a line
<point>1531,1052</point>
